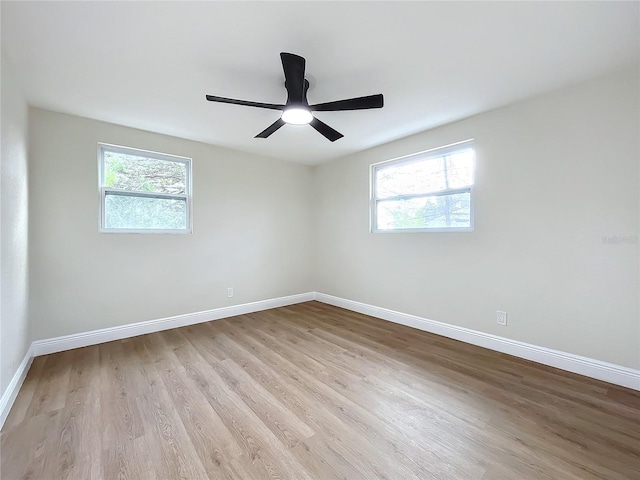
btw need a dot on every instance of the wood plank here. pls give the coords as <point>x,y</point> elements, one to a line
<point>262,450</point>
<point>312,391</point>
<point>21,405</point>
<point>199,418</point>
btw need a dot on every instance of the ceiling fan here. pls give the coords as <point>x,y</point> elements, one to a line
<point>297,110</point>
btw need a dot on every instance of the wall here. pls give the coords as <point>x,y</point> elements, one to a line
<point>14,335</point>
<point>555,174</point>
<point>251,232</point>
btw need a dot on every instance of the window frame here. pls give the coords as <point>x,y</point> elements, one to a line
<point>102,190</point>
<point>423,155</point>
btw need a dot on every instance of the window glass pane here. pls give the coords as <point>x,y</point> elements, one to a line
<point>426,175</point>
<point>442,211</point>
<point>421,176</point>
<point>460,169</point>
<point>124,211</point>
<point>133,172</point>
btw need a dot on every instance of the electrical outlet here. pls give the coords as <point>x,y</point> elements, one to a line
<point>501,318</point>
<point>229,292</point>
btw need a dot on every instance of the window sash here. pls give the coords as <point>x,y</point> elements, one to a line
<point>439,193</point>
<point>427,154</point>
<point>469,228</point>
<point>127,193</point>
<point>105,147</point>
<point>143,153</point>
<point>134,193</point>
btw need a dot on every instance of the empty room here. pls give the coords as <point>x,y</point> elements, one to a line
<point>320,240</point>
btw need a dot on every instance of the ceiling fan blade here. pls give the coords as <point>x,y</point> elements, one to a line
<point>246,103</point>
<point>360,103</point>
<point>270,129</point>
<point>329,133</point>
<point>293,66</point>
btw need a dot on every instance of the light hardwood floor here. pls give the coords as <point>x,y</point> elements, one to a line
<point>312,391</point>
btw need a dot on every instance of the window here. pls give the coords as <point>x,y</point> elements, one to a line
<point>428,191</point>
<point>143,192</point>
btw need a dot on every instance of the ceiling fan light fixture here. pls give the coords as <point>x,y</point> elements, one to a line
<point>297,110</point>
<point>297,116</point>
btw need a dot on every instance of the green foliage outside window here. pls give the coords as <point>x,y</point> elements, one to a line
<point>124,173</point>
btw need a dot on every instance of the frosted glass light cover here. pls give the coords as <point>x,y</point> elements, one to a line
<point>297,116</point>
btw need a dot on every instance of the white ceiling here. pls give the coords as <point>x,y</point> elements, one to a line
<point>149,64</point>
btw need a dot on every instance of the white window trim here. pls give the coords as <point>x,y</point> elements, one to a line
<point>104,191</point>
<point>424,155</point>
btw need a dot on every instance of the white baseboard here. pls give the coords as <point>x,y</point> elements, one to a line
<point>608,372</point>
<point>84,339</point>
<point>11,392</point>
<point>77,340</point>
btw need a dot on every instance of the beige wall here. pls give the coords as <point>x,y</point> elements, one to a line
<point>251,232</point>
<point>555,174</point>
<point>14,335</point>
